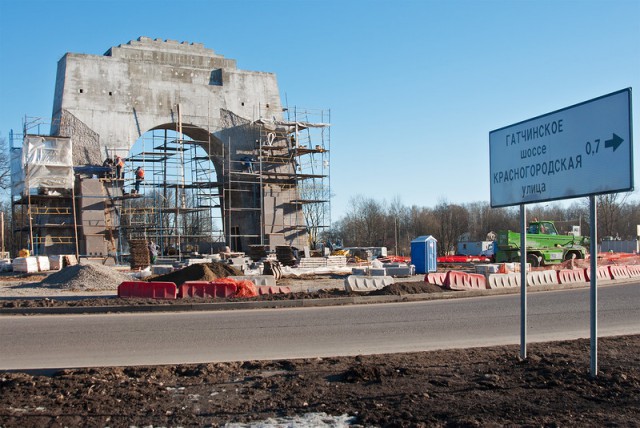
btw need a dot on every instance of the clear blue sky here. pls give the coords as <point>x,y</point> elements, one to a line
<point>414,87</point>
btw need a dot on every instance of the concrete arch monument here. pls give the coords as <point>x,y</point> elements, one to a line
<point>106,102</point>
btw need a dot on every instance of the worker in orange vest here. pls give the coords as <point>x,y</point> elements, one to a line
<point>139,179</point>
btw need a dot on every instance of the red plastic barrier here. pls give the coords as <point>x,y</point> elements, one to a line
<point>476,281</point>
<point>603,273</point>
<point>462,259</point>
<point>454,280</point>
<point>436,278</point>
<point>206,290</point>
<point>465,281</point>
<point>148,290</point>
<point>265,289</point>
<point>634,271</point>
<point>618,272</point>
<point>246,289</point>
<point>566,276</point>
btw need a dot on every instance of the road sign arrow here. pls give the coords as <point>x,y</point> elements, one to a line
<point>614,142</point>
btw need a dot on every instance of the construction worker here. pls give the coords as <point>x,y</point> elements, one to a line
<point>153,252</point>
<point>247,164</point>
<point>119,168</point>
<point>108,163</point>
<point>139,179</point>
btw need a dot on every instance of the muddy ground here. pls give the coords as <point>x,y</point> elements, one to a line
<point>471,387</point>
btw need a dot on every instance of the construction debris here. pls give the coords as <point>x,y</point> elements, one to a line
<point>199,272</point>
<point>86,276</point>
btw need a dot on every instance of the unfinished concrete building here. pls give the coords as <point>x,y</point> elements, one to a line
<point>226,163</point>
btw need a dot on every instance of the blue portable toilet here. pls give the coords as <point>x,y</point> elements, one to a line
<point>424,254</point>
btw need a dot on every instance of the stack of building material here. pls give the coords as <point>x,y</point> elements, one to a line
<point>189,262</point>
<point>139,254</point>
<point>399,269</point>
<point>330,261</point>
<point>43,263</point>
<point>285,255</point>
<point>5,265</point>
<point>57,262</point>
<point>257,252</point>
<point>25,264</point>
<point>70,260</point>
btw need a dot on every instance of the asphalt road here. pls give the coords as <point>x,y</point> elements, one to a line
<point>59,341</point>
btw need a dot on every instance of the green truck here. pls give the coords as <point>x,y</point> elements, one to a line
<point>544,245</point>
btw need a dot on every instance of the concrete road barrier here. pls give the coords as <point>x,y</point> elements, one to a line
<point>542,277</point>
<point>465,281</point>
<point>634,271</point>
<point>258,280</point>
<point>602,273</point>
<point>503,280</point>
<point>273,290</point>
<point>366,283</point>
<point>476,281</point>
<point>436,278</point>
<point>567,276</point>
<point>618,272</point>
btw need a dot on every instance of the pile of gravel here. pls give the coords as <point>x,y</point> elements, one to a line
<point>86,276</point>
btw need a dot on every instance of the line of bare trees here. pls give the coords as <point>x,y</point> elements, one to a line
<point>393,225</point>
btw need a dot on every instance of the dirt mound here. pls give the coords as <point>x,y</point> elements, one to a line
<point>85,276</point>
<point>199,272</point>
<point>401,288</point>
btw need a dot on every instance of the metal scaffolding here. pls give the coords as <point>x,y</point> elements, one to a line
<point>193,196</point>
<point>287,177</point>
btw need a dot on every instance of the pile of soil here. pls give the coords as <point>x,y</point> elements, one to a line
<point>199,272</point>
<point>469,387</point>
<point>402,288</point>
<point>85,276</point>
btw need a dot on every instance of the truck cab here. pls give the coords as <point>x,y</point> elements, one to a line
<point>544,245</point>
<point>542,228</point>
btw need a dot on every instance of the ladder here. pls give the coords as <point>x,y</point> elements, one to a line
<point>109,209</point>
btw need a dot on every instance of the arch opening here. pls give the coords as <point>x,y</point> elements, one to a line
<point>177,204</point>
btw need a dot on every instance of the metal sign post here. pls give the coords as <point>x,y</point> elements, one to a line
<point>523,281</point>
<point>593,295</point>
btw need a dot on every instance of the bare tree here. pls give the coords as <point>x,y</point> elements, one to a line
<point>609,209</point>
<point>5,166</point>
<point>453,221</point>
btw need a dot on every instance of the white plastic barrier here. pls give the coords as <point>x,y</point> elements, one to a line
<point>366,283</point>
<point>543,277</point>
<point>503,280</point>
<point>162,269</point>
<point>258,280</point>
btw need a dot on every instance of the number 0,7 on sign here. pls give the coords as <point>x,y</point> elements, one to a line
<point>581,150</point>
